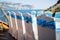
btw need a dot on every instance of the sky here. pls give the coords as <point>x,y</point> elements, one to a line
<point>37,4</point>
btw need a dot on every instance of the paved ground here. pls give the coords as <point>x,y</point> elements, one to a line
<point>6,36</point>
<point>57,35</point>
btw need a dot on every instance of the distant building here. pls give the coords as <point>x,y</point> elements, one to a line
<point>14,6</point>
<point>26,7</point>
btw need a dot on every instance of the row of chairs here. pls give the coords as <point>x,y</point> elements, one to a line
<point>42,22</point>
<point>44,33</point>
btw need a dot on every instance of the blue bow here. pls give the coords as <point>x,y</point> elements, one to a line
<point>26,19</point>
<point>19,17</point>
<point>42,22</point>
<point>50,24</point>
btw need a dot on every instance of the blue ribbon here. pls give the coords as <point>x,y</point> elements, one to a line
<point>26,19</point>
<point>41,22</point>
<point>50,24</point>
<point>30,20</point>
<point>18,17</point>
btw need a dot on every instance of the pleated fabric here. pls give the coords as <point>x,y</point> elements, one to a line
<point>46,33</point>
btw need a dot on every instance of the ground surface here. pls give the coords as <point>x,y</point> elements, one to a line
<point>57,35</point>
<point>6,36</point>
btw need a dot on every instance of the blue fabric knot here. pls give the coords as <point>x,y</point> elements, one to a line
<point>30,19</point>
<point>13,16</point>
<point>41,22</point>
<point>8,14</point>
<point>19,17</point>
<point>26,19</point>
<point>50,24</point>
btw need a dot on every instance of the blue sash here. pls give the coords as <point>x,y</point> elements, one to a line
<point>41,22</point>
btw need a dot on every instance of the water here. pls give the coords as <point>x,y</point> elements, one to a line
<point>57,15</point>
<point>49,14</point>
<point>2,18</point>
